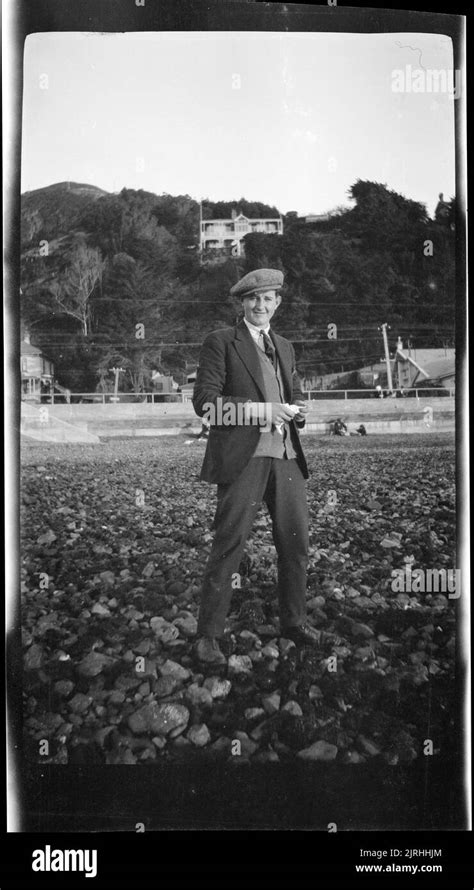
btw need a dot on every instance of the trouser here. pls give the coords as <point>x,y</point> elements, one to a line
<point>280,484</point>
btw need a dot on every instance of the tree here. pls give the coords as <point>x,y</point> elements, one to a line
<point>72,289</point>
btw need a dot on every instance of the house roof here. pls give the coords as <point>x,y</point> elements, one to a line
<point>440,368</point>
<point>431,363</point>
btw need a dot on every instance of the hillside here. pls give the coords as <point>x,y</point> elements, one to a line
<point>112,262</point>
<point>53,211</point>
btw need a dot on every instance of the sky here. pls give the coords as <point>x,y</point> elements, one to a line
<point>292,120</point>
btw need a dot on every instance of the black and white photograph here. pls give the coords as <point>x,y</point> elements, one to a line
<point>236,329</point>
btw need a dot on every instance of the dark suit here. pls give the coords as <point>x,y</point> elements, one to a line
<point>229,368</point>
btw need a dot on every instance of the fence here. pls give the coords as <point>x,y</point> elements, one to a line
<point>158,398</point>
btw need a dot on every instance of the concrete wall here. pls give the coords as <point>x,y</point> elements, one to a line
<point>378,415</point>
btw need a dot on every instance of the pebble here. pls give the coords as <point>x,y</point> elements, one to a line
<point>116,697</point>
<point>217,687</point>
<point>253,713</point>
<point>271,703</point>
<point>368,746</point>
<point>160,719</point>
<point>239,664</point>
<point>198,695</point>
<point>164,686</point>
<point>293,708</point>
<point>99,609</point>
<point>270,651</point>
<point>33,658</point>
<point>175,670</point>
<point>79,703</point>
<point>320,750</point>
<point>64,687</point>
<point>286,645</point>
<point>199,735</point>
<point>187,626</point>
<point>247,746</point>
<point>93,664</point>
<point>164,630</point>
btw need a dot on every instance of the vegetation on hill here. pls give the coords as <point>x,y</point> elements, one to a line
<point>116,280</point>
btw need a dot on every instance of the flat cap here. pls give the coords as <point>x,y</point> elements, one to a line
<point>258,280</point>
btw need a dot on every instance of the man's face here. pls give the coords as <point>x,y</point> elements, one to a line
<point>259,308</point>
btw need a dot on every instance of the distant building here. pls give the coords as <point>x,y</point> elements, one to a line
<point>37,372</point>
<point>415,367</point>
<point>163,383</point>
<point>227,234</point>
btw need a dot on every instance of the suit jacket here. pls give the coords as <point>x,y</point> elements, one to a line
<point>229,368</point>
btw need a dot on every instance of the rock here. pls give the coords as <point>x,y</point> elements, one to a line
<point>175,588</point>
<point>107,578</point>
<point>320,750</point>
<point>99,609</point>
<point>222,746</point>
<point>46,623</point>
<point>317,602</point>
<point>251,612</point>
<point>116,697</point>
<point>269,756</point>
<point>165,686</point>
<point>199,735</point>
<point>160,719</point>
<point>80,703</point>
<point>239,664</point>
<point>175,670</point>
<point>286,645</point>
<point>352,756</point>
<point>368,746</point>
<point>314,693</point>
<point>271,703</point>
<point>159,741</point>
<point>93,664</point>
<point>48,538</point>
<point>198,696</point>
<point>64,687</point>
<point>187,626</point>
<point>263,730</point>
<point>256,655</point>
<point>217,687</point>
<point>149,570</point>
<point>362,630</point>
<point>254,713</point>
<point>440,602</point>
<point>270,651</point>
<point>247,746</point>
<point>392,540</point>
<point>142,648</point>
<point>364,653</point>
<point>33,658</point>
<point>248,641</point>
<point>293,708</point>
<point>164,630</point>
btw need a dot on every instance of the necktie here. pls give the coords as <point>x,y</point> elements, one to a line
<point>268,347</point>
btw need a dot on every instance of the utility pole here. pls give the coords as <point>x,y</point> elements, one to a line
<point>387,356</point>
<point>116,371</point>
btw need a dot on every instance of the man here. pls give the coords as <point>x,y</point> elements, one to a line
<point>340,428</point>
<point>247,383</point>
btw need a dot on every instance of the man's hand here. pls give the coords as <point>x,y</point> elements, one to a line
<point>304,408</point>
<point>281,413</point>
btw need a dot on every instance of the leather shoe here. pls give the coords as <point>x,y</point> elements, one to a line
<point>207,650</point>
<point>302,635</point>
